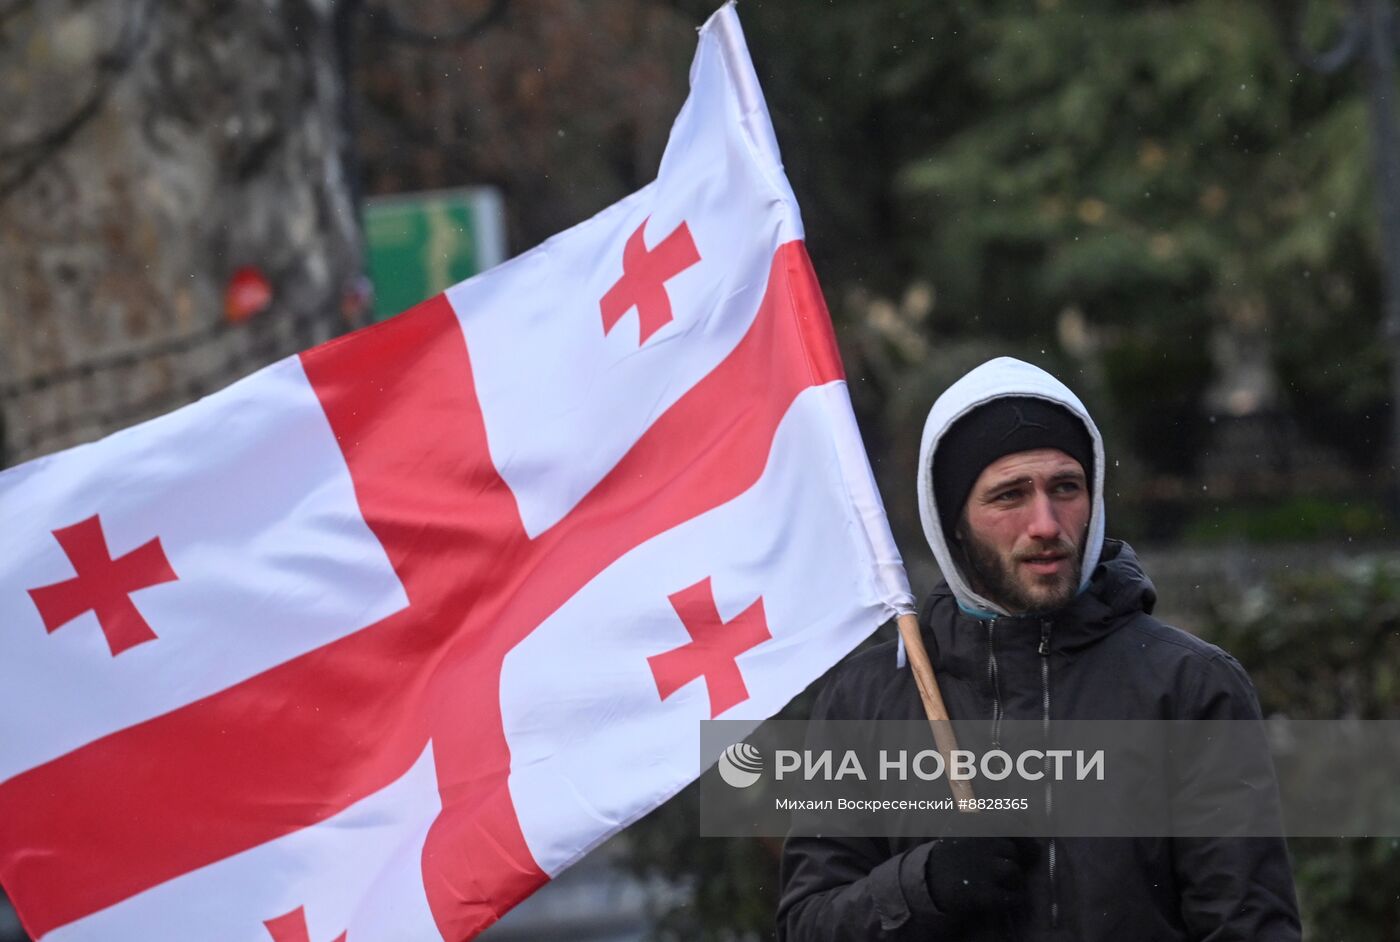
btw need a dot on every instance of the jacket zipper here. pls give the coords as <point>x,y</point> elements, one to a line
<point>1049,787</point>
<point>993,679</point>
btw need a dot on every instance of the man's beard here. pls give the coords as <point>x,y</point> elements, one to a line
<point>995,578</point>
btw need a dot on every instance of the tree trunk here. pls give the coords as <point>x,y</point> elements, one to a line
<point>149,151</point>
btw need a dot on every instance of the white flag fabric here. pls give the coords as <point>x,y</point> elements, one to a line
<point>376,641</point>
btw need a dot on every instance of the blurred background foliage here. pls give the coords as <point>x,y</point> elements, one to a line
<point>1324,643</point>
<point>1154,199</point>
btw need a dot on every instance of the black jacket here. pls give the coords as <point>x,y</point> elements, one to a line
<point>1107,659</point>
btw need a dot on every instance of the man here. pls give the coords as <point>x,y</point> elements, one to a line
<point>1040,618</point>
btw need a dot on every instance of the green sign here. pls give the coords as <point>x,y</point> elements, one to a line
<point>423,243</point>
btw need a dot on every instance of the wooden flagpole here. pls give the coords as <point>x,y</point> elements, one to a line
<point>937,713</point>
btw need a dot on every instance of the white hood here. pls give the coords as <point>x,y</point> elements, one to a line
<point>1003,376</point>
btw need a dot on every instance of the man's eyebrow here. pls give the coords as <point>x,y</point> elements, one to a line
<point>1068,474</point>
<point>1004,483</point>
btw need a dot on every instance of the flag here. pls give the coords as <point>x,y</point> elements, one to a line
<point>376,641</point>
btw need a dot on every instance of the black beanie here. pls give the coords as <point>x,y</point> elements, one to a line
<point>1001,427</point>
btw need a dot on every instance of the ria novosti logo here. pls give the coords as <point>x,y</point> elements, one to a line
<point>740,765</point>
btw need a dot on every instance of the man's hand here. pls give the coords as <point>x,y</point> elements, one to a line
<point>967,875</point>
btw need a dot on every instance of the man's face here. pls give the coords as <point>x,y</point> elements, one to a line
<point>1023,530</point>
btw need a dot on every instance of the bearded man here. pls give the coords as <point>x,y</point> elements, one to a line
<point>1039,618</point>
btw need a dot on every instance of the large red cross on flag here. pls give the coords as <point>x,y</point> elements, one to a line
<point>374,642</point>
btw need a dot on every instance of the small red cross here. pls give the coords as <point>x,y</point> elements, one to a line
<point>713,648</point>
<point>103,585</point>
<point>292,927</point>
<point>644,276</point>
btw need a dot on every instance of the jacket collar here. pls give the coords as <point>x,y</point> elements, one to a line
<point>1118,588</point>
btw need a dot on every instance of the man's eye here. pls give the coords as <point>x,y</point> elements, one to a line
<point>1069,487</point>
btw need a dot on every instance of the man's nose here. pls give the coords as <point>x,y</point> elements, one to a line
<point>1043,523</point>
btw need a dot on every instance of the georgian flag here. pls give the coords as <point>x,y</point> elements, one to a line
<point>376,641</point>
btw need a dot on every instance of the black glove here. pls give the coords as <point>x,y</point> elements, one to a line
<point>967,875</point>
